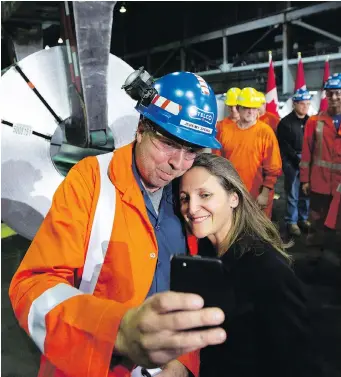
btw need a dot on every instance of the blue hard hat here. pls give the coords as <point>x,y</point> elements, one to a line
<point>333,82</point>
<point>301,95</point>
<point>186,107</point>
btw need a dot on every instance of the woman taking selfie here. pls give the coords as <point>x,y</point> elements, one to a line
<point>267,321</point>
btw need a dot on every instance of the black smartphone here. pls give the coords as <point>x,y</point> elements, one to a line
<point>201,275</point>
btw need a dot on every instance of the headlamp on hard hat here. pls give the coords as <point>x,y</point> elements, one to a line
<point>138,86</point>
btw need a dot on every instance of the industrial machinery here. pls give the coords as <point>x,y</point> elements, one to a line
<point>49,123</point>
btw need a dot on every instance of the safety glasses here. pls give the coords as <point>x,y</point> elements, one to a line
<point>168,146</point>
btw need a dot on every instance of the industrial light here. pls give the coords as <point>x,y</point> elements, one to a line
<point>47,47</point>
<point>123,9</point>
<point>60,40</point>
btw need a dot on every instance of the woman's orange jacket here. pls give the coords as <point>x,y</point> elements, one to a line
<point>79,333</point>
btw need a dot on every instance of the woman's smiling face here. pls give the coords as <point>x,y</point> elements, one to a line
<point>205,205</point>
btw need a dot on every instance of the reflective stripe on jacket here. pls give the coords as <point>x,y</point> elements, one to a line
<point>76,328</point>
<point>321,155</point>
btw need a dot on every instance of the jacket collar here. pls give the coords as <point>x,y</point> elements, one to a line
<point>306,117</point>
<point>121,174</point>
<point>325,117</point>
<point>245,243</point>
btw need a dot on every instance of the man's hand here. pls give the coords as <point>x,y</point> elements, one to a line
<point>160,330</point>
<point>174,369</point>
<point>306,188</point>
<point>263,198</point>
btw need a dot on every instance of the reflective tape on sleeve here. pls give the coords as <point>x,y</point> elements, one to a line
<point>327,164</point>
<point>101,228</point>
<point>304,164</point>
<point>42,305</point>
<point>98,245</point>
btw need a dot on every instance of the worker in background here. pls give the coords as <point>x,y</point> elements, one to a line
<point>320,167</point>
<point>90,290</point>
<point>253,149</point>
<point>231,103</point>
<point>290,137</point>
<point>265,116</point>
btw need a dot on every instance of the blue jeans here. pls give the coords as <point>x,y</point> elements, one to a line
<point>297,206</point>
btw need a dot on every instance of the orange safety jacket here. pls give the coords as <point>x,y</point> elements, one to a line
<point>69,297</point>
<point>321,155</point>
<point>221,125</point>
<point>254,153</point>
<point>271,119</point>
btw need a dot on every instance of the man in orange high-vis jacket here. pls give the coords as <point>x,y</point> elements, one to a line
<point>233,114</point>
<point>320,166</point>
<point>265,116</point>
<point>253,149</point>
<point>89,289</point>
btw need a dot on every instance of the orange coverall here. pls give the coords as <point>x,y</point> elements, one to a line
<point>271,119</point>
<point>79,332</point>
<point>255,154</point>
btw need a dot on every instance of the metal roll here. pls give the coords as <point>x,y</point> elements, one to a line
<point>29,175</point>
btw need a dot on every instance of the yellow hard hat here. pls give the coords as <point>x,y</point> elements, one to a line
<point>231,96</point>
<point>249,97</point>
<point>262,97</point>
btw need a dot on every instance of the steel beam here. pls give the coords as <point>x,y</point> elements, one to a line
<point>314,9</point>
<point>285,65</point>
<point>32,21</point>
<point>317,30</point>
<point>250,67</point>
<point>244,27</point>
<point>168,58</point>
<point>225,60</point>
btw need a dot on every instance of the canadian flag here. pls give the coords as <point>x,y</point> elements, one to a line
<point>271,89</point>
<point>324,101</point>
<point>300,80</point>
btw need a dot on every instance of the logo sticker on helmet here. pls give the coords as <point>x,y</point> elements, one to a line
<point>199,114</point>
<point>334,82</point>
<point>196,127</point>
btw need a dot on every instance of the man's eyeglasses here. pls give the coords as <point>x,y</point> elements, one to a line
<point>169,146</point>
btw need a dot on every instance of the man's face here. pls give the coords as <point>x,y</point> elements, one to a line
<point>233,113</point>
<point>302,107</point>
<point>247,114</point>
<point>334,99</point>
<point>159,158</point>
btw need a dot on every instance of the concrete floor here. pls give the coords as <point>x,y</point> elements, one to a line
<point>20,357</point>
